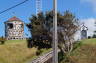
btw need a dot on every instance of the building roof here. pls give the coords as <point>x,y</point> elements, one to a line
<point>13,19</point>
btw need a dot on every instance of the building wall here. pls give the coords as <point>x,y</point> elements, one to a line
<point>83,34</point>
<point>14,30</point>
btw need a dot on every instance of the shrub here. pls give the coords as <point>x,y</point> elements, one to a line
<point>2,40</point>
<point>94,36</point>
<point>39,52</point>
<point>29,43</point>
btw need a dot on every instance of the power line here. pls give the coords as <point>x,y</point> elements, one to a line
<point>13,7</point>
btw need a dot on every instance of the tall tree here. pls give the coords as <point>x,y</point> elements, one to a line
<point>36,25</point>
<point>67,27</point>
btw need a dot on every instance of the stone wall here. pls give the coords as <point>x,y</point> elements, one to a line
<point>14,30</point>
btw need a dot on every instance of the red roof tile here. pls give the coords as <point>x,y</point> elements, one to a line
<point>14,19</point>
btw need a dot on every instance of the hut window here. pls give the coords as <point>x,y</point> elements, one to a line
<point>10,25</point>
<point>21,25</point>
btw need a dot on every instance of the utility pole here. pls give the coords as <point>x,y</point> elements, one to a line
<point>55,40</point>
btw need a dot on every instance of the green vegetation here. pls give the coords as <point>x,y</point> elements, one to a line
<point>2,40</point>
<point>15,41</point>
<point>84,53</point>
<point>40,27</point>
<point>89,41</point>
<point>16,51</point>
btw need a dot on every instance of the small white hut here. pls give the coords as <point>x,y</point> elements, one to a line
<point>14,29</point>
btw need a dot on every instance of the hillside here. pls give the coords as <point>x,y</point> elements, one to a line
<point>16,51</point>
<point>85,53</point>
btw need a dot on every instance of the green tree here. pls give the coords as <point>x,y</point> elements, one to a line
<point>67,27</point>
<point>38,29</point>
<point>36,25</point>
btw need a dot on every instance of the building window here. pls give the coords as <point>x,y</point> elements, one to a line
<point>21,25</point>
<point>10,25</point>
<point>14,38</point>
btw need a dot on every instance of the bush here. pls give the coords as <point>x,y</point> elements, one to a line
<point>39,52</point>
<point>94,36</point>
<point>2,40</point>
<point>29,43</point>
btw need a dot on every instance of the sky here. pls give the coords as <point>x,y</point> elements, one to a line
<point>84,10</point>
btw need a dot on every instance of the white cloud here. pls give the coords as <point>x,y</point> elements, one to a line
<point>91,2</point>
<point>90,23</point>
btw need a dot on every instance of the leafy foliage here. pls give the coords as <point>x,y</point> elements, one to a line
<point>69,26</point>
<point>38,31</point>
<point>2,40</point>
<point>85,53</point>
<point>42,25</point>
<point>94,36</point>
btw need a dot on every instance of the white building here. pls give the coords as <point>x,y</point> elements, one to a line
<point>14,29</point>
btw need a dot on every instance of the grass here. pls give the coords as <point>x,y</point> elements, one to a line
<point>16,51</point>
<point>86,53</point>
<point>89,41</point>
<point>14,41</point>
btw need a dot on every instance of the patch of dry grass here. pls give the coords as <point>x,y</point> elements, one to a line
<point>16,52</point>
<point>89,41</point>
<point>86,53</point>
